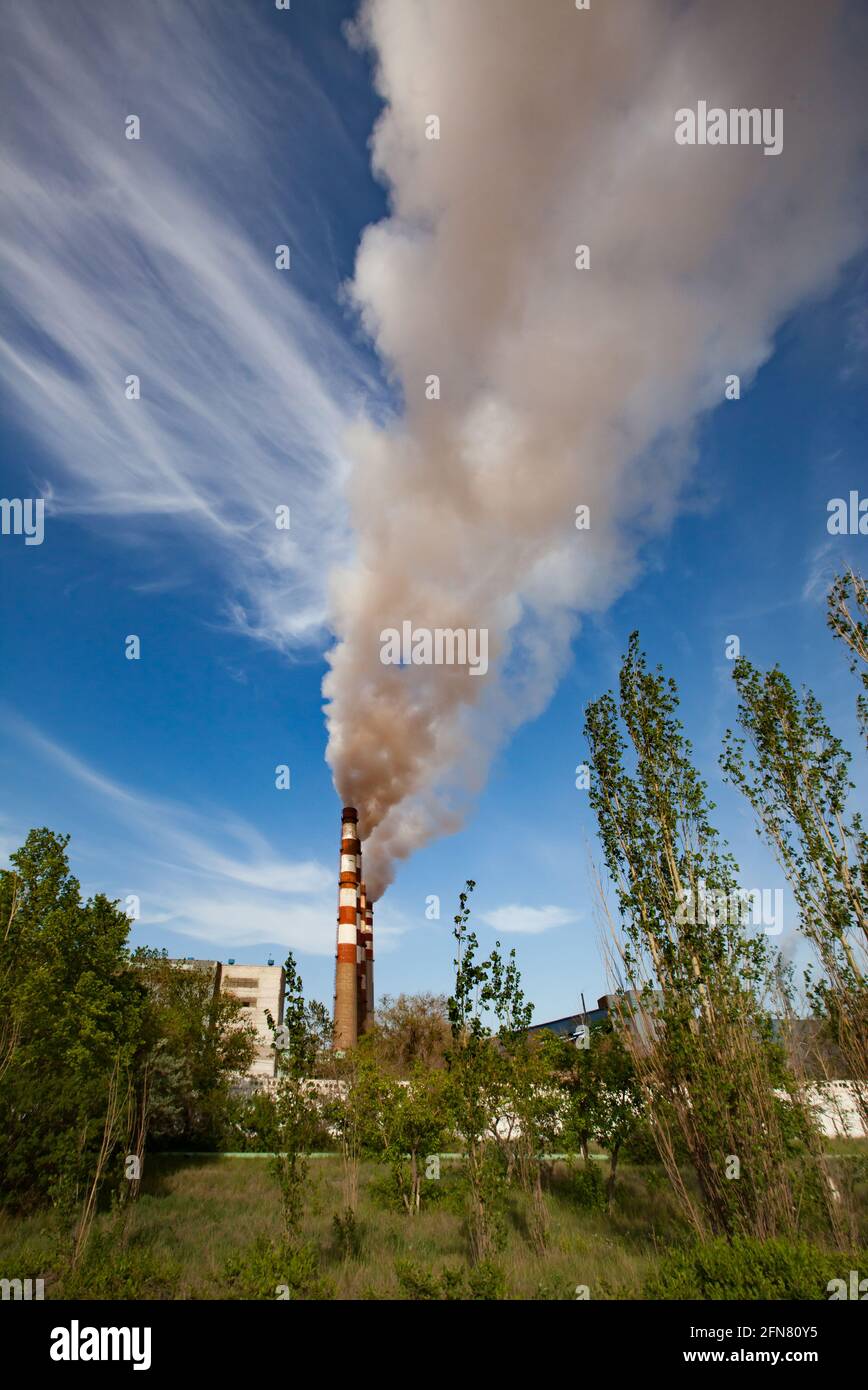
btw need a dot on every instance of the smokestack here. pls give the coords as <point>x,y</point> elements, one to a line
<point>369,964</point>
<point>346,1027</point>
<point>361,977</point>
<point>365,958</point>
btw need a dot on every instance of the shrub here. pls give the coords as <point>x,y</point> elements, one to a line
<point>481,1282</point>
<point>267,1266</point>
<point>640,1147</point>
<point>749,1269</point>
<point>111,1271</point>
<point>587,1189</point>
<point>348,1234</point>
<point>384,1192</point>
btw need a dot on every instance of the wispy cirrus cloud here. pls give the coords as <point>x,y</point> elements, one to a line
<point>156,258</point>
<point>211,878</point>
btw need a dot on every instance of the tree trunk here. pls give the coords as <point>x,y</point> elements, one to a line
<point>416,1184</point>
<point>613,1172</point>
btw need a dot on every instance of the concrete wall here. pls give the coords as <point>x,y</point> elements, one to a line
<point>834,1104</point>
<point>836,1108</point>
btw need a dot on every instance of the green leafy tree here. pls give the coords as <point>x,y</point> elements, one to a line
<point>411,1121</point>
<point>847,617</point>
<point>703,1049</point>
<point>295,1122</point>
<point>199,1044</point>
<point>409,1029</point>
<point>350,1114</point>
<point>602,1094</point>
<point>620,1103</point>
<point>796,775</point>
<point>532,1105</point>
<point>73,1022</point>
<point>486,1012</point>
<point>574,1069</point>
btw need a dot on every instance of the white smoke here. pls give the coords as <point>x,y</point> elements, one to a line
<point>559,387</point>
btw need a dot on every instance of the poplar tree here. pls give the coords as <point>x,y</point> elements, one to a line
<point>295,1120</point>
<point>697,1033</point>
<point>487,1014</point>
<point>847,617</point>
<point>795,772</point>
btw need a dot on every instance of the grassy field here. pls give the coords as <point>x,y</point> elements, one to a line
<point>196,1214</point>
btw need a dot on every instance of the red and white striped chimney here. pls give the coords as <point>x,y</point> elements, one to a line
<point>346,1024</point>
<point>361,977</point>
<point>369,964</point>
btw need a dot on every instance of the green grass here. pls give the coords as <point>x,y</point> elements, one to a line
<point>847,1148</point>
<point>196,1214</point>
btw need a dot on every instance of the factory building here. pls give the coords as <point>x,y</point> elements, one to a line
<point>607,1005</point>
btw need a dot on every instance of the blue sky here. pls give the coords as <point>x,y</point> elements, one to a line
<point>162,769</point>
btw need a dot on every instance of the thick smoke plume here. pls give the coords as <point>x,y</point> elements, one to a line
<point>560,387</point>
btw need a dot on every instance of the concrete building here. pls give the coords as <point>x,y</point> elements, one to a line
<point>257,988</point>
